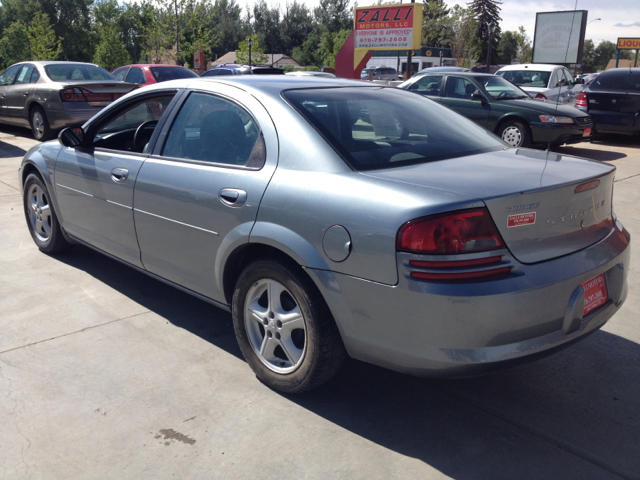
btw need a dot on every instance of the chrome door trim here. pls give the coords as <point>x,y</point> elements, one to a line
<point>93,196</point>
<point>74,190</point>
<point>176,221</point>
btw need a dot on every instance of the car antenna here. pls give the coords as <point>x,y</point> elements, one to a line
<point>555,112</point>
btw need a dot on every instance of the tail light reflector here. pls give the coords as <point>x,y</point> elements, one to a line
<point>459,275</point>
<point>464,231</point>
<point>455,263</point>
<point>587,186</point>
<point>581,101</point>
<point>541,96</point>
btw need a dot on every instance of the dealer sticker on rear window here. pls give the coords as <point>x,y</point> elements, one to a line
<point>521,219</point>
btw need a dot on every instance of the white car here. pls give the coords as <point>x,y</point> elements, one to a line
<point>543,81</point>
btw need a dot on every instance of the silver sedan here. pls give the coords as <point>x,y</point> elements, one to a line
<point>337,218</point>
<point>48,96</point>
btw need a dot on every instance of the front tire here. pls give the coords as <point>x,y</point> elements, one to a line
<point>515,133</point>
<point>284,327</point>
<point>40,125</point>
<point>41,217</point>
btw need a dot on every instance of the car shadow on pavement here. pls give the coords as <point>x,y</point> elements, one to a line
<point>575,414</point>
<point>572,415</point>
<point>8,151</point>
<point>181,309</point>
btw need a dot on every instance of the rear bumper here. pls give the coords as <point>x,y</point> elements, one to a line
<point>616,122</point>
<point>461,329</point>
<point>559,134</point>
<point>70,114</point>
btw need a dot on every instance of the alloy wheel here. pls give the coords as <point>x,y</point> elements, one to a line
<point>275,326</point>
<point>39,212</point>
<point>38,124</point>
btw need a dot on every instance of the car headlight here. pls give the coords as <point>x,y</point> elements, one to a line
<point>554,119</point>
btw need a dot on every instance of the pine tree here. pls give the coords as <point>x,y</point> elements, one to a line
<point>486,12</point>
<point>43,43</point>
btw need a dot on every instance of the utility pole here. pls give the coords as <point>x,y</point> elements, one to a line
<point>492,28</point>
<point>250,42</point>
<point>407,74</point>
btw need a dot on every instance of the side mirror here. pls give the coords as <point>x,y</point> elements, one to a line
<point>478,97</point>
<point>71,137</point>
<point>580,81</point>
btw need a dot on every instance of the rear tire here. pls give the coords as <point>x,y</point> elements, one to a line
<point>40,125</point>
<point>284,327</point>
<point>515,133</point>
<point>42,220</point>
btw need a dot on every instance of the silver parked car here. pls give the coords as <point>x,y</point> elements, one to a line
<point>409,237</point>
<point>545,82</point>
<point>48,96</point>
<point>379,73</point>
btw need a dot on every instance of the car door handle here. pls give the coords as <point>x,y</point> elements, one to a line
<point>119,175</point>
<point>233,197</point>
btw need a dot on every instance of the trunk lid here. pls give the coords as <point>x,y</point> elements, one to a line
<point>614,101</point>
<point>100,86</point>
<point>530,195</point>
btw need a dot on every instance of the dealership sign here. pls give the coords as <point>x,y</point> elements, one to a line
<point>390,27</point>
<point>629,44</point>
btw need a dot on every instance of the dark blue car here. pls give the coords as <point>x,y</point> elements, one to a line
<point>238,69</point>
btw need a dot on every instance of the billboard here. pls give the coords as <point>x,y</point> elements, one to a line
<point>628,43</point>
<point>388,27</point>
<point>559,36</point>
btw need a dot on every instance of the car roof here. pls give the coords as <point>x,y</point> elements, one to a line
<point>541,67</point>
<point>151,65</point>
<point>55,62</point>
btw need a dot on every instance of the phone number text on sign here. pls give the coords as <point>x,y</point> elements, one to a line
<point>390,38</point>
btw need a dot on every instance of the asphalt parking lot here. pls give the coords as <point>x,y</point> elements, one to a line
<point>106,373</point>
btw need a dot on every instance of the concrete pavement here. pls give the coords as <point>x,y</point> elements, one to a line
<point>106,373</point>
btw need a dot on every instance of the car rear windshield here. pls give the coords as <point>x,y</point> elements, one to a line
<point>163,74</point>
<point>623,81</point>
<point>375,128</point>
<point>526,78</point>
<point>60,72</point>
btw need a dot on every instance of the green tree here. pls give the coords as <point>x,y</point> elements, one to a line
<point>588,57</point>
<point>463,28</point>
<point>266,24</point>
<point>43,43</point>
<point>486,12</point>
<point>111,52</point>
<point>296,26</point>
<point>525,52</point>
<point>436,24</point>
<point>334,15</point>
<point>338,41</point>
<point>605,51</point>
<point>257,53</point>
<point>14,46</point>
<point>508,47</point>
<point>229,28</point>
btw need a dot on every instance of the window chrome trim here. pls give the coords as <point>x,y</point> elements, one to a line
<point>176,221</point>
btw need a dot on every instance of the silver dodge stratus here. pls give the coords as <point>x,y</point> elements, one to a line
<point>333,217</point>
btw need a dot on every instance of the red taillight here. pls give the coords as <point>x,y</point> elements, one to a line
<point>541,96</point>
<point>79,94</point>
<point>461,275</point>
<point>581,101</point>
<point>465,231</point>
<point>455,263</point>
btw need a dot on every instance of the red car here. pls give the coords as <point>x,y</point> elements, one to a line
<point>144,75</point>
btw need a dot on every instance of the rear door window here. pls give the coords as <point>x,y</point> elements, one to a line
<point>458,87</point>
<point>24,76</point>
<point>9,74</point>
<point>121,73</point>
<point>215,130</point>
<point>136,75</point>
<point>428,85</point>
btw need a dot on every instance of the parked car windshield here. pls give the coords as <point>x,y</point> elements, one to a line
<point>526,78</point>
<point>60,72</point>
<point>616,81</point>
<point>164,74</point>
<point>500,89</point>
<point>376,128</point>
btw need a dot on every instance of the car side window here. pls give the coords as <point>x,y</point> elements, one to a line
<point>559,78</point>
<point>121,73</point>
<point>136,75</point>
<point>9,74</point>
<point>428,85</point>
<point>458,87</point>
<point>212,129</point>
<point>132,128</point>
<point>35,76</point>
<point>24,76</point>
<point>568,77</point>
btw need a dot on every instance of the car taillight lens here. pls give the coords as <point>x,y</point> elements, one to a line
<point>581,101</point>
<point>541,96</point>
<point>465,231</point>
<point>79,94</point>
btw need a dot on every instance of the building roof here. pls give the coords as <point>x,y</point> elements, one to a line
<point>230,57</point>
<point>621,64</point>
